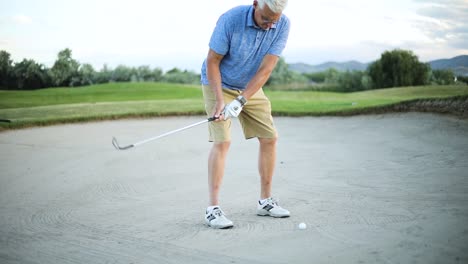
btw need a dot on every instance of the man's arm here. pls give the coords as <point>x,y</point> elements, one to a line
<point>214,78</point>
<point>262,75</point>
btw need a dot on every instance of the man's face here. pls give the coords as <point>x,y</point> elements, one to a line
<point>264,17</point>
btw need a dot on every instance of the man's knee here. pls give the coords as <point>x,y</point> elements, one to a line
<point>268,141</point>
<point>222,146</point>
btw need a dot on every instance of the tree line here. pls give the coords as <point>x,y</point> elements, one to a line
<point>395,68</point>
<point>68,72</point>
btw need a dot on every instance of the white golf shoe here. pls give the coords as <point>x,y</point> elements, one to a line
<point>270,207</point>
<point>216,218</point>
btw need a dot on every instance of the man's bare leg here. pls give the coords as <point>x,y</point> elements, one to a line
<point>216,164</point>
<point>266,168</point>
<point>266,165</point>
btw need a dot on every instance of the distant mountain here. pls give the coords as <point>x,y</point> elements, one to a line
<point>458,64</point>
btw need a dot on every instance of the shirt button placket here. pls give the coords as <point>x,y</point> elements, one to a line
<point>258,38</point>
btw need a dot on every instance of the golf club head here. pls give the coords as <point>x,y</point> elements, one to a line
<point>118,147</point>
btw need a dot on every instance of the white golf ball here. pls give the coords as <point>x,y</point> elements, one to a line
<point>302,226</point>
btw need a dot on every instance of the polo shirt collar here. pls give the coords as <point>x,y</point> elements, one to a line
<point>250,19</point>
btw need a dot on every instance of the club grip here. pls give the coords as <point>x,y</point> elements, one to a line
<point>213,118</point>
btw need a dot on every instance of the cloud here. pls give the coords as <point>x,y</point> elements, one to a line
<point>444,21</point>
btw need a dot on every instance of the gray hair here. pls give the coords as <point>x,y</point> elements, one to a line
<point>277,6</point>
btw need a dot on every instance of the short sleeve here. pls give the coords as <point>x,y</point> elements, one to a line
<point>220,39</point>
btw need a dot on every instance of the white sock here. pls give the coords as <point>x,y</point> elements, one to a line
<point>262,201</point>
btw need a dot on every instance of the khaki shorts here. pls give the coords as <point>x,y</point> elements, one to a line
<point>255,118</point>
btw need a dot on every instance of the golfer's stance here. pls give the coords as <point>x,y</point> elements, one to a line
<point>244,49</point>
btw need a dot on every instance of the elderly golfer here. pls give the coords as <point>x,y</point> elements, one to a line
<point>244,49</point>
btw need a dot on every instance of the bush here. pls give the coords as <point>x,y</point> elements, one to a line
<point>398,68</point>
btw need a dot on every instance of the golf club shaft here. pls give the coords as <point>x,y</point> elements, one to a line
<point>117,146</point>
<point>170,133</point>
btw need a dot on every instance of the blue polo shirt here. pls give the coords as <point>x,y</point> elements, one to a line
<point>244,45</point>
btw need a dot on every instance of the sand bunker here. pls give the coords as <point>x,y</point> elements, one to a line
<point>372,189</point>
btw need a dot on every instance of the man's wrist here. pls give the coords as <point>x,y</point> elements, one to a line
<point>241,99</point>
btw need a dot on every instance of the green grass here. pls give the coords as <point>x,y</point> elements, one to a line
<point>317,103</point>
<point>120,100</point>
<point>112,92</point>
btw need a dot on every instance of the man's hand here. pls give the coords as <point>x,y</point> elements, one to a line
<point>234,108</point>
<point>218,111</point>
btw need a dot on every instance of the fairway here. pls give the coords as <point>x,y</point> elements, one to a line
<point>328,103</point>
<point>111,92</point>
<point>127,100</point>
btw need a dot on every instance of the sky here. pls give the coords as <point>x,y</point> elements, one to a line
<point>175,33</point>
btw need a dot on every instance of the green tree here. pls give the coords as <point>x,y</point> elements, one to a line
<point>443,77</point>
<point>351,81</point>
<point>157,74</point>
<point>398,68</point>
<point>6,70</point>
<point>331,76</point>
<point>175,75</point>
<point>143,74</point>
<point>282,75</point>
<point>30,75</point>
<point>123,74</point>
<point>462,79</point>
<point>421,73</point>
<point>366,82</point>
<point>64,72</point>
<point>316,77</point>
<point>104,75</point>
<point>376,74</point>
<point>87,75</point>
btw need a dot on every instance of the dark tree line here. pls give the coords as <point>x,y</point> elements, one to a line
<point>68,72</point>
<point>395,68</point>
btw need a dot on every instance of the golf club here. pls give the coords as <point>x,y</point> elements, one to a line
<point>117,146</point>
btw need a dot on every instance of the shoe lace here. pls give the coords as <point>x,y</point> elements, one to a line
<point>273,201</point>
<point>218,212</point>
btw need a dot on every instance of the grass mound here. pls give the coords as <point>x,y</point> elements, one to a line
<point>20,109</point>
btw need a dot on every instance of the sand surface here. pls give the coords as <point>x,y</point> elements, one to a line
<point>371,189</point>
